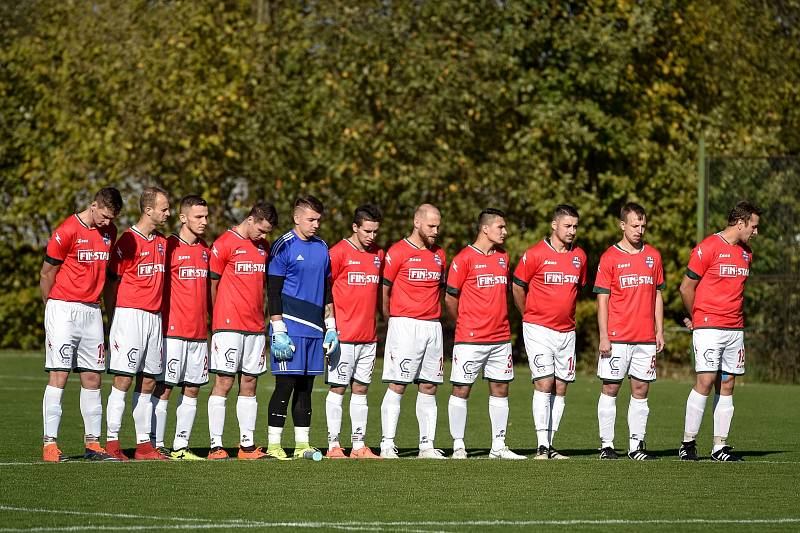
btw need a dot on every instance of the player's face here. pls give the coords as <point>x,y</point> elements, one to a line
<point>307,221</point>
<point>633,228</point>
<point>427,227</point>
<point>496,231</point>
<point>196,219</point>
<point>258,229</point>
<point>749,230</point>
<point>101,216</point>
<point>159,213</point>
<point>367,232</point>
<point>565,228</point>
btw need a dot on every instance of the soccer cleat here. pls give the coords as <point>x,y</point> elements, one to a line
<point>364,453</point>
<point>185,454</point>
<point>336,453</point>
<point>217,454</point>
<point>505,453</point>
<point>305,451</point>
<point>94,452</point>
<point>51,454</point>
<point>389,452</point>
<point>608,453</point>
<point>459,453</point>
<point>274,451</point>
<point>542,453</point>
<point>688,451</point>
<point>163,450</point>
<point>146,452</point>
<point>725,455</point>
<point>254,454</point>
<point>552,453</point>
<point>113,449</point>
<point>641,454</point>
<point>431,453</point>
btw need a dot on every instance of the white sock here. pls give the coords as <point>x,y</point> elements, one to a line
<point>333,413</point>
<point>390,413</point>
<point>51,412</point>
<point>638,411</point>
<point>301,435</point>
<point>216,419</point>
<point>114,411</point>
<point>606,419</point>
<point>426,418</point>
<point>92,413</point>
<point>274,434</point>
<point>457,414</point>
<point>723,415</point>
<point>142,415</point>
<point>158,422</point>
<point>541,417</point>
<point>498,416</point>
<point>358,419</point>
<point>695,407</point>
<point>246,412</point>
<point>184,420</point>
<point>557,404</point>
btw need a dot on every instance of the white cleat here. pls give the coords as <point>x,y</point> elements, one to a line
<point>459,453</point>
<point>389,452</point>
<point>505,453</point>
<point>431,453</point>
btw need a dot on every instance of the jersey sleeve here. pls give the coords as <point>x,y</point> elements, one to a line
<point>699,261</point>
<point>524,271</point>
<point>605,273</point>
<point>278,259</point>
<point>335,262</point>
<point>660,280</point>
<point>391,265</point>
<point>59,245</point>
<point>584,267</point>
<point>122,255</point>
<point>457,274</point>
<point>443,257</point>
<point>218,259</point>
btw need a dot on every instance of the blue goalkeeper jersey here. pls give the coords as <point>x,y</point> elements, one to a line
<point>305,266</point>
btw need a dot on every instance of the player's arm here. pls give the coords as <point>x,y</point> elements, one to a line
<point>520,293</point>
<point>281,346</point>
<point>451,303</point>
<point>47,278</point>
<point>602,324</point>
<point>386,293</point>
<point>110,294</point>
<point>688,290</point>
<point>330,342</point>
<point>213,286</point>
<point>659,322</point>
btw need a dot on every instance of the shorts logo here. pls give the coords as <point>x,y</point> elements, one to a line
<point>576,262</point>
<point>539,366</point>
<point>66,352</point>
<point>405,372</point>
<point>649,262</point>
<point>361,278</point>
<point>376,261</point>
<point>230,358</point>
<point>248,267</point>
<point>341,371</point>
<point>613,364</point>
<point>471,369</point>
<point>147,270</point>
<point>132,356</point>
<point>710,357</point>
<point>172,369</point>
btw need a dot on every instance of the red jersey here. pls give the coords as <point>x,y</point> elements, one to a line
<point>723,270</point>
<point>185,309</point>
<point>553,280</point>
<point>416,276</point>
<point>631,280</point>
<point>82,253</point>
<point>240,265</point>
<point>481,283</point>
<point>138,263</point>
<point>356,279</point>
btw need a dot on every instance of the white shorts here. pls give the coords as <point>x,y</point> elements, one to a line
<point>73,337</point>
<point>135,343</point>
<point>494,360</point>
<point>355,364</point>
<point>550,352</point>
<point>413,351</point>
<point>234,353</point>
<point>185,362</point>
<point>636,360</point>
<point>718,349</point>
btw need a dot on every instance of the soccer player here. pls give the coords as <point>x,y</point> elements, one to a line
<point>238,275</point>
<point>546,284</point>
<point>477,287</point>
<point>413,279</point>
<point>713,292</point>
<point>184,314</point>
<point>302,324</point>
<point>630,316</point>
<point>71,280</point>
<point>133,294</point>
<point>356,266</point>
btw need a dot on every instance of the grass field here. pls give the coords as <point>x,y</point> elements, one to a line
<point>411,495</point>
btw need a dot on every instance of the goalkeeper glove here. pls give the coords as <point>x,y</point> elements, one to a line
<point>331,341</point>
<point>281,345</point>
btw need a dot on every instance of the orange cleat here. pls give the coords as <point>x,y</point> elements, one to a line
<point>336,453</point>
<point>251,455</point>
<point>51,454</point>
<point>217,454</point>
<point>146,452</point>
<point>113,449</point>
<point>364,453</point>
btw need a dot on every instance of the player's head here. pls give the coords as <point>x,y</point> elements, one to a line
<point>105,207</point>
<point>744,217</point>
<point>194,214</point>
<point>492,226</point>
<point>308,212</point>
<point>259,221</point>
<point>633,222</point>
<point>565,223</point>
<point>366,223</point>
<point>154,204</point>
<point>427,220</point>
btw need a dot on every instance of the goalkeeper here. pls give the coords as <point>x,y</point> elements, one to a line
<point>302,325</point>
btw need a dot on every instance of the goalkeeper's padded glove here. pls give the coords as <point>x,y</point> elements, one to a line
<point>331,341</point>
<point>281,345</point>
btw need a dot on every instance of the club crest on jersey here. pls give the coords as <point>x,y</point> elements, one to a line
<point>205,256</point>
<point>576,262</point>
<point>501,262</point>
<point>106,239</point>
<point>437,259</point>
<point>376,261</point>
<point>745,256</point>
<point>649,262</point>
<point>160,249</point>
<point>261,251</point>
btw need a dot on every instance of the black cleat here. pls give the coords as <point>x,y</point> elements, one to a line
<point>688,451</point>
<point>641,454</point>
<point>725,455</point>
<point>608,453</point>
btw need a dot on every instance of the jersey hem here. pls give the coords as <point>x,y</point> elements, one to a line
<point>357,342</point>
<point>733,328</point>
<point>652,343</point>
<point>199,339</point>
<point>484,343</point>
<point>241,331</point>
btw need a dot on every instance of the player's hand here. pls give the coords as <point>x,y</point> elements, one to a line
<point>331,341</point>
<point>660,342</point>
<point>605,348</point>
<point>688,323</point>
<point>281,346</point>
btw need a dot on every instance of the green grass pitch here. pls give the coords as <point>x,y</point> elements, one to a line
<point>582,493</point>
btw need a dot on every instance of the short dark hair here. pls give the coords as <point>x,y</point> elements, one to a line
<point>191,200</point>
<point>310,202</point>
<point>367,213</point>
<point>262,210</point>
<point>149,195</point>
<point>743,211</point>
<point>110,198</point>
<point>631,207</point>
<point>487,215</point>
<point>565,210</point>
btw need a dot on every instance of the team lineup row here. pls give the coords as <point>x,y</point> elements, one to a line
<point>323,305</point>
